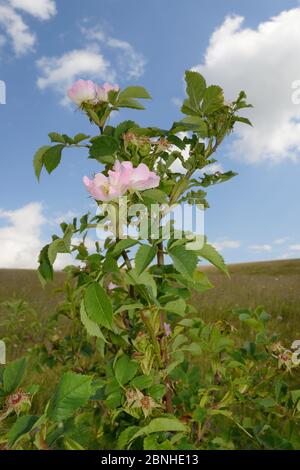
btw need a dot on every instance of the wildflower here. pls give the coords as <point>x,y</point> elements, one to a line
<point>102,91</point>
<point>167,329</point>
<point>120,179</point>
<point>83,91</point>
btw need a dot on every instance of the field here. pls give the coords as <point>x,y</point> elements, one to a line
<point>274,285</point>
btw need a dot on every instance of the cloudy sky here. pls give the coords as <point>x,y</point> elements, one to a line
<point>46,44</point>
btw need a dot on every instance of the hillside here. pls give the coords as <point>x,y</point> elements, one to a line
<point>274,285</point>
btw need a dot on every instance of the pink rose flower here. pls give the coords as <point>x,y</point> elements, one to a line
<point>120,179</point>
<point>101,189</point>
<point>142,178</point>
<point>83,91</point>
<point>102,91</point>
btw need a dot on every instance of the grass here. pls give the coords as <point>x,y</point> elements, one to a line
<point>275,285</point>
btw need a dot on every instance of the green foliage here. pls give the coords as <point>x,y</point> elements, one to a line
<point>139,367</point>
<point>72,393</point>
<point>13,375</point>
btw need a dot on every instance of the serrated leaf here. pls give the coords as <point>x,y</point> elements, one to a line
<point>213,99</point>
<point>38,161</point>
<point>45,269</point>
<point>52,157</point>
<point>20,428</point>
<point>91,327</point>
<point>80,137</point>
<point>195,89</point>
<point>129,103</point>
<point>98,306</point>
<point>134,92</point>
<point>55,137</point>
<point>13,375</point>
<point>185,261</point>
<point>161,425</point>
<point>72,393</point>
<point>176,306</point>
<point>123,245</point>
<point>103,146</point>
<point>209,253</point>
<point>125,369</point>
<point>154,195</point>
<point>143,257</point>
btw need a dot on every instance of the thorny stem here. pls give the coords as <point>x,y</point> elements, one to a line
<point>163,345</point>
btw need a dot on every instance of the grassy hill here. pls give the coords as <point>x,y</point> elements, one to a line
<point>274,285</point>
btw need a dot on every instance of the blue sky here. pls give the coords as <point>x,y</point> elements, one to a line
<point>46,44</point>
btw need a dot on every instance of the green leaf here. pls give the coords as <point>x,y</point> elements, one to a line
<point>45,269</point>
<point>185,261</point>
<point>13,375</point>
<point>124,127</point>
<point>52,157</point>
<point>201,282</point>
<point>134,92</point>
<point>129,103</point>
<point>176,306</point>
<point>154,195</point>
<point>91,327</point>
<point>146,279</point>
<point>103,146</point>
<point>195,89</point>
<point>22,426</point>
<point>216,178</point>
<point>58,246</point>
<point>72,393</point>
<point>143,257</point>
<point>125,436</point>
<point>196,124</point>
<point>98,305</point>
<point>123,245</point>
<point>161,425</point>
<point>142,381</point>
<point>125,369</point>
<point>55,137</point>
<point>213,99</point>
<point>209,253</point>
<point>38,161</point>
<point>80,137</point>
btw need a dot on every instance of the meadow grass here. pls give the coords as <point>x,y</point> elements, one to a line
<point>275,285</point>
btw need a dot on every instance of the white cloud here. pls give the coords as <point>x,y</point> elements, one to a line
<point>90,62</point>
<point>42,9</point>
<point>59,72</point>
<point>14,27</point>
<point>281,241</point>
<point>177,166</point>
<point>261,248</point>
<point>213,168</point>
<point>294,247</point>
<point>263,62</point>
<point>226,244</point>
<point>18,32</point>
<point>20,239</point>
<point>177,101</point>
<point>129,61</point>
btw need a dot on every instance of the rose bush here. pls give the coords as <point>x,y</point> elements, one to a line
<point>139,366</point>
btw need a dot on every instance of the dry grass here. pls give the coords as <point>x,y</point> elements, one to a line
<point>275,285</point>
